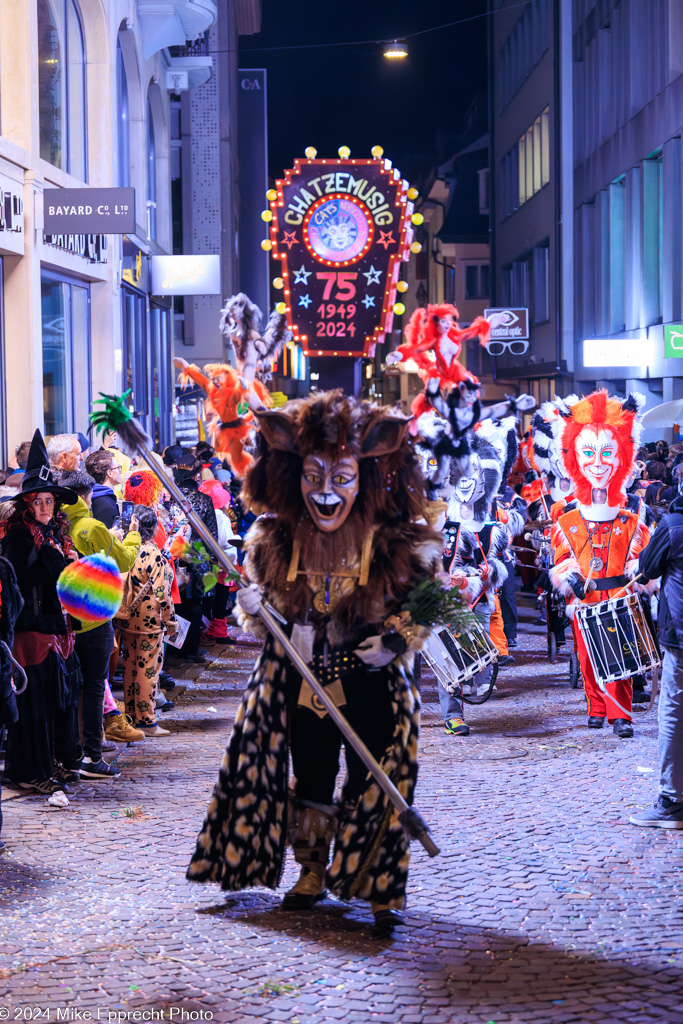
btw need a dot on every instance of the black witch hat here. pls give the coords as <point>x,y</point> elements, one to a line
<point>38,476</point>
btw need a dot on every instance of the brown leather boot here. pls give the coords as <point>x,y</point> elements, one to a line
<point>310,832</point>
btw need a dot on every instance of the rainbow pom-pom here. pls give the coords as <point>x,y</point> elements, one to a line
<point>91,589</point>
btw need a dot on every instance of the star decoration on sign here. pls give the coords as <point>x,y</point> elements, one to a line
<point>386,238</point>
<point>290,239</point>
<point>305,300</point>
<point>368,301</point>
<point>372,275</point>
<point>301,275</point>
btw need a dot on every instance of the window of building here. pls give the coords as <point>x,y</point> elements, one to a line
<point>525,169</point>
<point>617,241</point>
<point>483,176</point>
<point>123,116</point>
<point>151,173</point>
<point>521,281</point>
<point>541,282</point>
<point>653,217</point>
<point>160,322</point>
<point>135,355</point>
<point>506,286</point>
<point>66,353</point>
<point>523,49</point>
<point>534,158</point>
<point>61,86</point>
<point>477,281</point>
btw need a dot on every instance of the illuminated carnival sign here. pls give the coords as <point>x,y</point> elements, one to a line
<point>341,229</point>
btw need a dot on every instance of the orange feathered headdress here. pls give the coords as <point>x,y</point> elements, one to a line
<point>144,488</point>
<point>602,412</point>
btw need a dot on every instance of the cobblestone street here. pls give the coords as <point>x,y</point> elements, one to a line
<point>545,905</point>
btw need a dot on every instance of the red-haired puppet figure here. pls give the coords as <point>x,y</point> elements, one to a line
<point>434,343</point>
<point>596,542</point>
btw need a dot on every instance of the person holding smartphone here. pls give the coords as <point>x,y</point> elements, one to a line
<point>105,470</point>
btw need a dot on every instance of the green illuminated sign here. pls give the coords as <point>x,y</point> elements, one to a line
<point>673,341</point>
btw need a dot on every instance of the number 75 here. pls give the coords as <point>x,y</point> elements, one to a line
<point>346,289</point>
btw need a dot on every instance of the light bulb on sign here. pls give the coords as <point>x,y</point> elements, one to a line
<point>280,308</point>
<point>377,152</point>
<point>266,245</point>
<point>402,286</point>
<point>271,195</point>
<point>415,247</point>
<point>399,308</point>
<point>418,218</point>
<point>344,152</point>
<point>412,193</point>
<point>311,152</point>
<point>278,283</point>
<point>266,216</point>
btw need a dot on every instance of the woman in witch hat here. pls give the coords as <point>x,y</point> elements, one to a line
<point>42,748</point>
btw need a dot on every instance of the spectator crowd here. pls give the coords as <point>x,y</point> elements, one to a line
<point>71,690</point>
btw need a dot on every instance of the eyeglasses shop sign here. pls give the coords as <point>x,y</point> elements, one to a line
<point>186,275</point>
<point>88,211</point>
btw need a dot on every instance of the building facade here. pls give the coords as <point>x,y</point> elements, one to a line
<point>587,115</point>
<point>95,105</point>
<point>530,120</point>
<point>628,96</point>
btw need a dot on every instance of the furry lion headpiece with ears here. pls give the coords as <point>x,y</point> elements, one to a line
<point>391,487</point>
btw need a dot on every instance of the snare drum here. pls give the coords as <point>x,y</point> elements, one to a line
<point>618,638</point>
<point>454,658</point>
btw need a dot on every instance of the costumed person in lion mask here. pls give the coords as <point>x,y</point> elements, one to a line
<point>341,558</point>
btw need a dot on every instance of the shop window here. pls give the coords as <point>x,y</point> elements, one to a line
<point>135,354</point>
<point>61,86</point>
<point>160,319</point>
<point>66,354</point>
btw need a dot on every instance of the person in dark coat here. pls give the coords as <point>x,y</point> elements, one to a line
<point>664,557</point>
<point>187,470</point>
<point>11,603</point>
<point>42,746</point>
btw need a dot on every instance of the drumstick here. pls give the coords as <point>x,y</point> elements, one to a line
<point>629,584</point>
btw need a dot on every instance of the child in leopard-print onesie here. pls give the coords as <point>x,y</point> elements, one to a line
<point>142,636</point>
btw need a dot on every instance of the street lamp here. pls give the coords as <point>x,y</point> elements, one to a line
<point>397,49</point>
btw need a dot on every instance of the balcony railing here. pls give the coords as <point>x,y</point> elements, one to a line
<point>192,48</point>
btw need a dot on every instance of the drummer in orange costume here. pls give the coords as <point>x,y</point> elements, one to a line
<point>596,544</point>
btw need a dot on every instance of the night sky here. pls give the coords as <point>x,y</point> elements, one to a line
<point>350,95</point>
